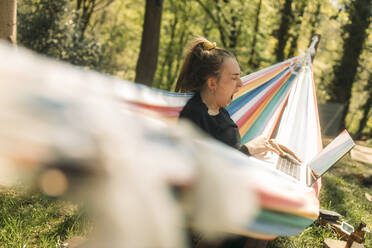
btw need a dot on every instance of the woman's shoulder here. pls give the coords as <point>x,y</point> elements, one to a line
<point>195,104</point>
<point>194,108</point>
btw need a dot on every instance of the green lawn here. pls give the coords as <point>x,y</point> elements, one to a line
<point>38,221</point>
<point>341,192</point>
<point>33,220</point>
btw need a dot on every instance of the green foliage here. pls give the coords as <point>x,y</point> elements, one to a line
<point>33,220</point>
<point>119,28</point>
<point>111,40</point>
<point>177,15</point>
<point>359,111</point>
<point>52,28</point>
<point>354,34</point>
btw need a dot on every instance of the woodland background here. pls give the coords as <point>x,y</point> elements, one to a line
<point>144,41</point>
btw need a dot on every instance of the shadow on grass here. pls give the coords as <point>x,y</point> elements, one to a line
<point>332,194</point>
<point>73,224</point>
<point>64,227</point>
<point>313,236</point>
<point>281,242</point>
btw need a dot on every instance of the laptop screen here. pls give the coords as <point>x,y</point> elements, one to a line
<point>332,153</point>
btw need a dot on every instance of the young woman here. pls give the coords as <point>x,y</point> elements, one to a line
<point>213,74</point>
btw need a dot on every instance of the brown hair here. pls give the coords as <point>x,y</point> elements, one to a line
<point>202,60</point>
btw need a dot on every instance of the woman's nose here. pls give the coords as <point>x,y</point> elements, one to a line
<point>240,83</point>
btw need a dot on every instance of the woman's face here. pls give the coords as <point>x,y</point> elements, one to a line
<point>228,83</point>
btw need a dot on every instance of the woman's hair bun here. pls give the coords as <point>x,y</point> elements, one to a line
<point>207,45</point>
<point>203,59</point>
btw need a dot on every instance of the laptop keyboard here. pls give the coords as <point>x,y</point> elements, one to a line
<point>288,167</point>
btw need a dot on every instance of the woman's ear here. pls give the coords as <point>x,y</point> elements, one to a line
<point>212,83</point>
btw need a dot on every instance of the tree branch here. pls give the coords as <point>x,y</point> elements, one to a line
<point>218,23</point>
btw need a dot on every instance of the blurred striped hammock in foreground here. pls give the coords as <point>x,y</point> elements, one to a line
<point>51,110</point>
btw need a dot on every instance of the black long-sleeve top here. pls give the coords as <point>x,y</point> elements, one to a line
<point>219,126</point>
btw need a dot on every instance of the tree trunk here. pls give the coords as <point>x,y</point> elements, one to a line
<point>148,57</point>
<point>87,8</point>
<point>233,30</point>
<point>366,109</point>
<point>363,122</point>
<point>282,32</point>
<point>253,62</point>
<point>355,34</point>
<point>216,20</point>
<point>168,56</point>
<point>183,37</point>
<point>293,46</point>
<point>8,20</point>
<point>228,23</point>
<point>315,19</point>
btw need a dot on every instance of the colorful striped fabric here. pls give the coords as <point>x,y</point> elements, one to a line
<point>257,108</point>
<point>255,104</point>
<point>162,104</point>
<point>275,99</point>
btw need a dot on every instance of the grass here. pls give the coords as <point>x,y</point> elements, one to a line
<point>341,192</point>
<point>34,220</point>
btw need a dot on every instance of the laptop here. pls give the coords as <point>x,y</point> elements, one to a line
<point>308,173</point>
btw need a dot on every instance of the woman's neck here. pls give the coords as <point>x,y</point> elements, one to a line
<point>209,100</point>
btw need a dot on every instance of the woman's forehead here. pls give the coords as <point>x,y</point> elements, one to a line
<point>230,65</point>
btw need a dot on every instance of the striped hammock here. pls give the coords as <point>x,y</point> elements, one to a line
<point>271,101</point>
<point>278,102</point>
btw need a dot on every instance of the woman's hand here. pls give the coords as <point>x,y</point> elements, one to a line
<point>285,151</point>
<point>259,146</point>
